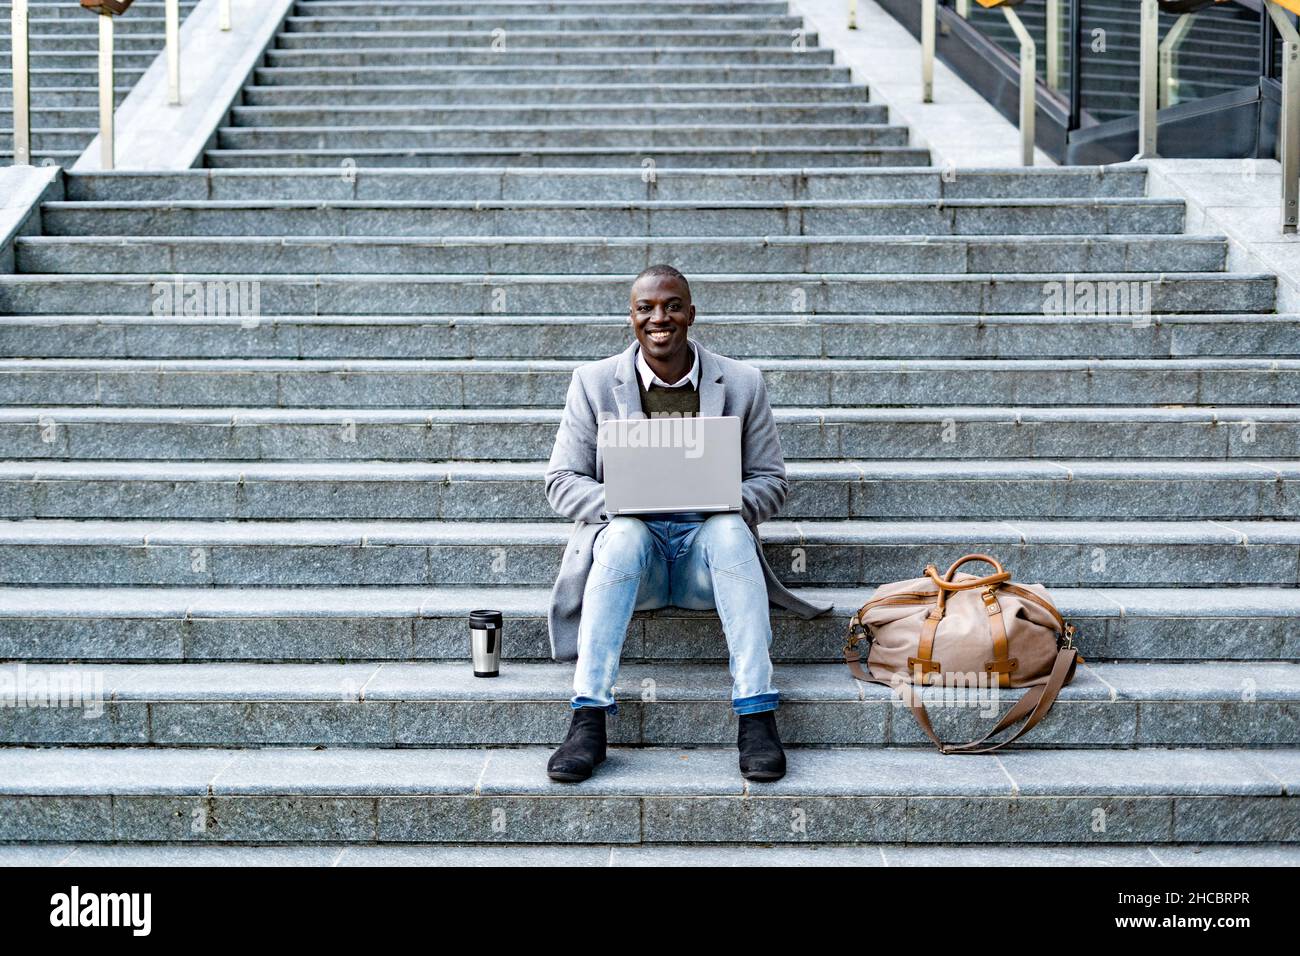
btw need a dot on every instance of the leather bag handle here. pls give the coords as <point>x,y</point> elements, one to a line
<point>946,582</point>
<point>986,558</point>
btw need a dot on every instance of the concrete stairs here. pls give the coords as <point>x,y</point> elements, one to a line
<point>252,527</point>
<point>65,71</point>
<point>552,87</point>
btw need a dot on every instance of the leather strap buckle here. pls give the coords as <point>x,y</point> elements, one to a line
<point>925,666</point>
<point>857,633</point>
<point>990,601</point>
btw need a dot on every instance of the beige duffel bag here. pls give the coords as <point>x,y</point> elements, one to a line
<point>963,630</point>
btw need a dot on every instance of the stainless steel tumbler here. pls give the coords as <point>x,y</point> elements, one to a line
<point>485,642</point>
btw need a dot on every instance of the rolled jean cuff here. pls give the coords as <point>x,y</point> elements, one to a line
<point>611,709</point>
<point>756,704</point>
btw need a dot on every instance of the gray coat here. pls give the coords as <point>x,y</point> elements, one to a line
<point>574,476</point>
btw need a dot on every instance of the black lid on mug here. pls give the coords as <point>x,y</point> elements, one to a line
<point>484,619</point>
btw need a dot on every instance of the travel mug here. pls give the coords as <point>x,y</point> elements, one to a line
<point>485,642</point>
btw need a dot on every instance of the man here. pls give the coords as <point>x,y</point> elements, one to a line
<point>613,567</point>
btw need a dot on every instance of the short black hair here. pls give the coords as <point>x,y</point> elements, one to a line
<point>663,269</point>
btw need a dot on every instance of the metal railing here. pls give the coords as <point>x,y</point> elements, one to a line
<point>1288,134</point>
<point>1028,63</point>
<point>107,93</point>
<point>1160,82</point>
<point>1157,84</point>
<point>22,80</point>
<point>105,10</point>
<point>173,32</point>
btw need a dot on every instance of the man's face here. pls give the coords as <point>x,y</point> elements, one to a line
<point>661,313</point>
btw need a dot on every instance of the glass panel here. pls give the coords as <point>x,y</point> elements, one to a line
<point>1275,61</point>
<point>1209,52</point>
<point>1206,53</point>
<point>1035,16</point>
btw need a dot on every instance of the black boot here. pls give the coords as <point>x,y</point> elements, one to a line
<point>583,747</point>
<point>761,756</point>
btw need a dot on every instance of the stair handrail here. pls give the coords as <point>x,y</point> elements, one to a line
<point>1028,64</point>
<point>20,67</point>
<point>173,32</point>
<point>1157,59</point>
<point>1288,133</point>
<point>106,10</point>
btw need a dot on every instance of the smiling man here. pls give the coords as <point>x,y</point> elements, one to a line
<point>613,567</point>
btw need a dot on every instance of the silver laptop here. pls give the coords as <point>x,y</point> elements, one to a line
<point>671,464</point>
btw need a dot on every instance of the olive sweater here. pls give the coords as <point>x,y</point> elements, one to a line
<point>660,400</point>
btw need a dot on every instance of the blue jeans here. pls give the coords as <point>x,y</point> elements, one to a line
<point>690,561</point>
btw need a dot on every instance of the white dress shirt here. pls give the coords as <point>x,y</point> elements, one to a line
<point>648,376</point>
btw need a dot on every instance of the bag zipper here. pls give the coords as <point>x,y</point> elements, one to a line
<point>926,596</point>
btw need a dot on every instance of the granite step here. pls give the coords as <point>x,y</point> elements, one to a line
<point>326,252</point>
<point>646,796</point>
<point>662,157</point>
<point>659,855</point>
<point>312,78</point>
<point>502,491</point>
<point>46,98</point>
<point>81,63</point>
<point>573,137</point>
<point>46,157</point>
<point>1136,295</point>
<point>432,84</point>
<point>903,220</point>
<point>610,20</point>
<point>53,29</point>
<point>79,83</point>
<point>719,109</point>
<point>838,553</point>
<point>1257,434</point>
<point>543,38</point>
<point>593,337</point>
<point>51,139</point>
<point>1209,704</point>
<point>386,97</point>
<point>453,383</point>
<point>586,184</point>
<point>438,51</point>
<point>203,624</point>
<point>147,37</point>
<point>51,117</point>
